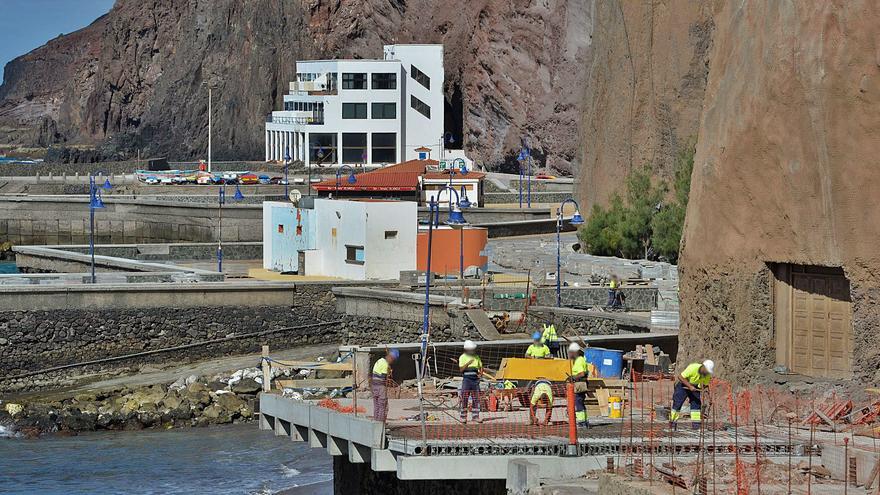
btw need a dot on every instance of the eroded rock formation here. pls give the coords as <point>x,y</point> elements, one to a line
<point>135,77</point>
<point>785,172</point>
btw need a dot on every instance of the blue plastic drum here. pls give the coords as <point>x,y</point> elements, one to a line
<point>611,364</point>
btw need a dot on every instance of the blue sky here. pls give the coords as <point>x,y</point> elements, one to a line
<point>27,24</point>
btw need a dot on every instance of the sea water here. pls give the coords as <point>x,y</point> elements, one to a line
<point>233,459</point>
<point>7,267</point>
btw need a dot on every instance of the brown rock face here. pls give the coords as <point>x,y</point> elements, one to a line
<point>644,89</point>
<point>513,69</point>
<point>785,172</point>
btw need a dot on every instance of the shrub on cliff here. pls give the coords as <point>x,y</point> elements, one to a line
<point>648,224</point>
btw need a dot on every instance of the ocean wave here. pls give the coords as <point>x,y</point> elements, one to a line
<point>289,472</point>
<point>6,432</point>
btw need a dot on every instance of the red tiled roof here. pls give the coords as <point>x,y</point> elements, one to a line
<point>402,176</point>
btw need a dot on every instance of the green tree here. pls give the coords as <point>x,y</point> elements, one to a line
<point>646,224</point>
<point>668,223</point>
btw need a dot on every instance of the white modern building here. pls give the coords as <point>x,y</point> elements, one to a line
<point>360,111</point>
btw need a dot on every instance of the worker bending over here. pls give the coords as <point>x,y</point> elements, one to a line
<point>581,370</point>
<point>542,395</point>
<point>549,337</point>
<point>538,349</point>
<point>689,385</point>
<point>379,383</point>
<point>471,368</point>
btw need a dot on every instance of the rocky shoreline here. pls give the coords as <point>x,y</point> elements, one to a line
<point>189,401</point>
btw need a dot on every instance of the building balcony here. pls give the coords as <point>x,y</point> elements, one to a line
<point>312,88</point>
<point>315,119</point>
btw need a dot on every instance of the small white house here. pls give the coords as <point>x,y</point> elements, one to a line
<point>350,239</point>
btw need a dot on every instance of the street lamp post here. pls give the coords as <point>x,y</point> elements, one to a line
<point>221,200</point>
<point>286,167</point>
<point>456,221</point>
<point>577,219</point>
<point>95,202</point>
<point>351,177</point>
<point>209,127</point>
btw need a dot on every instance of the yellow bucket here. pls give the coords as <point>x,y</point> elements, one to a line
<point>615,407</point>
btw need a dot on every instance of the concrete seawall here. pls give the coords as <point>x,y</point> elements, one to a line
<point>32,220</point>
<point>39,220</point>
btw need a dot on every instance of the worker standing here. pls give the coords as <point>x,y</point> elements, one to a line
<point>379,382</point>
<point>689,385</point>
<point>613,286</point>
<point>581,370</point>
<point>471,367</point>
<point>538,349</point>
<point>549,337</point>
<point>542,395</point>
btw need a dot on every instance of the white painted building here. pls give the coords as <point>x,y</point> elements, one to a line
<point>356,111</point>
<point>363,239</point>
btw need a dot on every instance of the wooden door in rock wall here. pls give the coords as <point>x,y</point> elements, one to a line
<point>821,325</point>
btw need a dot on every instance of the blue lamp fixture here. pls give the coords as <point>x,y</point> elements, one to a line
<point>352,179</point>
<point>576,219</point>
<point>95,203</point>
<point>465,203</point>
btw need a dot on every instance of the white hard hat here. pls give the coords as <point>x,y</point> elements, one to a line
<point>573,347</point>
<point>469,345</point>
<point>709,365</point>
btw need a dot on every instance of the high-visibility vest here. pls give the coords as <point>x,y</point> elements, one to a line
<point>549,334</point>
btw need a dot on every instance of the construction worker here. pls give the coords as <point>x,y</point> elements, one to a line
<point>689,385</point>
<point>542,395</point>
<point>538,349</point>
<point>507,393</point>
<point>379,382</point>
<point>549,337</point>
<point>580,371</point>
<point>471,367</point>
<point>613,285</point>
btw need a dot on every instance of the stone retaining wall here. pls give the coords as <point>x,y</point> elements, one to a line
<point>38,339</point>
<point>580,322</point>
<point>637,298</point>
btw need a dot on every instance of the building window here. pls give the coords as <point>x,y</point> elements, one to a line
<point>384,148</point>
<point>354,147</point>
<point>384,110</point>
<point>280,228</point>
<point>354,255</point>
<point>385,80</point>
<point>354,80</point>
<point>354,110</point>
<point>288,105</point>
<point>299,230</point>
<point>420,106</point>
<point>331,82</point>
<point>322,147</point>
<point>390,234</point>
<point>420,76</point>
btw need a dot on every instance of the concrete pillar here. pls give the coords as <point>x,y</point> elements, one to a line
<point>308,152</point>
<point>267,145</point>
<point>339,149</point>
<point>522,475</point>
<point>369,149</point>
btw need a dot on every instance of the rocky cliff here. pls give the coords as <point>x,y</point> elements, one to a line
<point>785,172</point>
<point>136,77</point>
<point>643,90</point>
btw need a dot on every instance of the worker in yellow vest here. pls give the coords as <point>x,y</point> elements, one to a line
<point>581,370</point>
<point>471,367</point>
<point>538,349</point>
<point>379,383</point>
<point>689,385</point>
<point>542,395</point>
<point>549,337</point>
